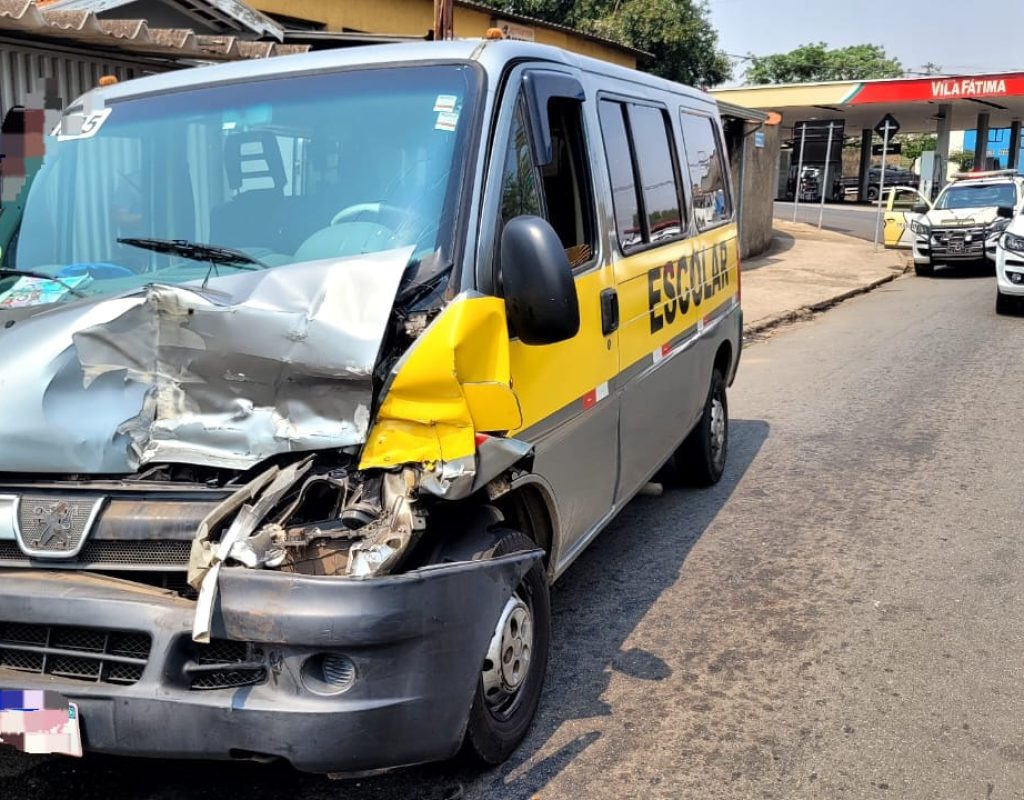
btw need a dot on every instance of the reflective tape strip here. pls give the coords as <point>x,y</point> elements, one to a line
<point>595,395</point>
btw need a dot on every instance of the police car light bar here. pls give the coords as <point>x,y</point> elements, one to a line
<point>992,173</point>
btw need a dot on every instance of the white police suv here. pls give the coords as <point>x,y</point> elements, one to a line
<point>967,219</point>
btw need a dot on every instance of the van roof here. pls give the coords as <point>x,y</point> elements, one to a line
<point>493,55</point>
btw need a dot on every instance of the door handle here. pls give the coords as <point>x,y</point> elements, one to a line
<point>609,311</point>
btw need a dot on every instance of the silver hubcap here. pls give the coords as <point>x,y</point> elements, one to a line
<point>509,654</point>
<point>717,430</point>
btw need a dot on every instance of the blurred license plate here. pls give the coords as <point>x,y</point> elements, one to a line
<point>37,725</point>
<point>956,247</point>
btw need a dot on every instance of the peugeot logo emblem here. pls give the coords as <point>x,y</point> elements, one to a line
<point>54,527</point>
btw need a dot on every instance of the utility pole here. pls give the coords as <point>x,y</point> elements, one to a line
<point>799,169</point>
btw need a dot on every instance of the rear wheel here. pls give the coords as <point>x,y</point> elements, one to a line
<point>700,459</point>
<point>1004,303</point>
<point>512,675</point>
<point>872,193</point>
<point>924,270</point>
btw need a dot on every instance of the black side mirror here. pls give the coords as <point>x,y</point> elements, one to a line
<point>920,208</point>
<point>1004,212</point>
<point>540,293</point>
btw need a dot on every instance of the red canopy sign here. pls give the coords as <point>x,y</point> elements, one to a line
<point>942,90</point>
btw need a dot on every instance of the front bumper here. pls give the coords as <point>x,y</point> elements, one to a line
<point>417,641</point>
<point>929,250</point>
<point>1008,264</point>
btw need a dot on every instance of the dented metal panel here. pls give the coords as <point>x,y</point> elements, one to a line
<point>257,364</point>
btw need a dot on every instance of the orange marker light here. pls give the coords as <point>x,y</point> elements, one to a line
<point>494,33</point>
<point>107,80</point>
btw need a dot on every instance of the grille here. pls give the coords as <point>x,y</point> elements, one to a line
<point>157,552</point>
<point>224,664</point>
<point>945,239</point>
<point>87,654</point>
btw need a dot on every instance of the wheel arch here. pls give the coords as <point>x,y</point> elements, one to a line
<point>724,360</point>
<point>530,507</point>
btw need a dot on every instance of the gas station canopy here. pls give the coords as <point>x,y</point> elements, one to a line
<point>918,103</point>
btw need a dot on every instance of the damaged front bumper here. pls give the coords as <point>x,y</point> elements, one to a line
<point>415,643</point>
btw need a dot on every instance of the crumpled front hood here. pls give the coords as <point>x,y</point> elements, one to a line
<point>258,363</point>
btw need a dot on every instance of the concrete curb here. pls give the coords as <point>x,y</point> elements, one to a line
<point>805,312</point>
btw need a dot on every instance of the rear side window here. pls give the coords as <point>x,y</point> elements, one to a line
<point>705,160</point>
<point>657,165</point>
<point>643,169</point>
<point>620,168</point>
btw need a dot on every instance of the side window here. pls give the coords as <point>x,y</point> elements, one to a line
<point>904,200</point>
<point>654,156</point>
<point>620,168</point>
<point>520,193</point>
<point>561,191</point>
<point>568,197</point>
<point>706,162</point>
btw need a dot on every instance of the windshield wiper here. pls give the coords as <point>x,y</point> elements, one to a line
<point>31,273</point>
<point>214,254</point>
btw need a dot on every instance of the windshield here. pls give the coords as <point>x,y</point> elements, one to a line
<point>991,195</point>
<point>285,171</point>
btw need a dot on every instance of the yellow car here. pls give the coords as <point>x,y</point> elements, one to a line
<point>902,206</point>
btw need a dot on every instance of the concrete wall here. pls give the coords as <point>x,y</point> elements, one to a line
<point>757,194</point>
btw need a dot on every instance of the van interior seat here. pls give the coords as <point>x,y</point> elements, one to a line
<point>255,172</point>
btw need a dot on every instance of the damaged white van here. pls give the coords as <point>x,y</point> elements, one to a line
<point>316,371</point>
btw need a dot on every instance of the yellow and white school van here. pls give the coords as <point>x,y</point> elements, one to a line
<point>317,371</point>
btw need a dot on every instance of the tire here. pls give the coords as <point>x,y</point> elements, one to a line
<point>872,194</point>
<point>700,459</point>
<point>498,723</point>
<point>924,270</point>
<point>1004,303</point>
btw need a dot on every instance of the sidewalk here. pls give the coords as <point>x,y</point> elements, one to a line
<point>808,270</point>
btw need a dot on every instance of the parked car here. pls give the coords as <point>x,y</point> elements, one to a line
<point>894,176</point>
<point>1010,264</point>
<point>902,207</point>
<point>965,222</point>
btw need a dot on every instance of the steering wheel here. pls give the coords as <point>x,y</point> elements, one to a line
<point>382,211</point>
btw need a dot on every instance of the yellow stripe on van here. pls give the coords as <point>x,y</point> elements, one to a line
<point>464,376</point>
<point>665,291</point>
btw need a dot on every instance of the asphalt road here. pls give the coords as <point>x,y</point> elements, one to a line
<point>848,218</point>
<point>840,618</point>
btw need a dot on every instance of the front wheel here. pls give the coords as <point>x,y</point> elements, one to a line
<point>700,459</point>
<point>1004,303</point>
<point>924,270</point>
<point>512,675</point>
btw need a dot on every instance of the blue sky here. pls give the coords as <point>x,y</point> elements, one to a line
<point>946,32</point>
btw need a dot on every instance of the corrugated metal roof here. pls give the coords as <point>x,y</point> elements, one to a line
<point>223,16</point>
<point>25,17</point>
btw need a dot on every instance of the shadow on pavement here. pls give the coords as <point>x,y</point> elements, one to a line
<point>970,269</point>
<point>781,242</point>
<point>596,605</point>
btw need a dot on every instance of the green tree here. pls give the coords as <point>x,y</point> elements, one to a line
<point>816,62</point>
<point>963,158</point>
<point>915,144</point>
<point>677,33</point>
